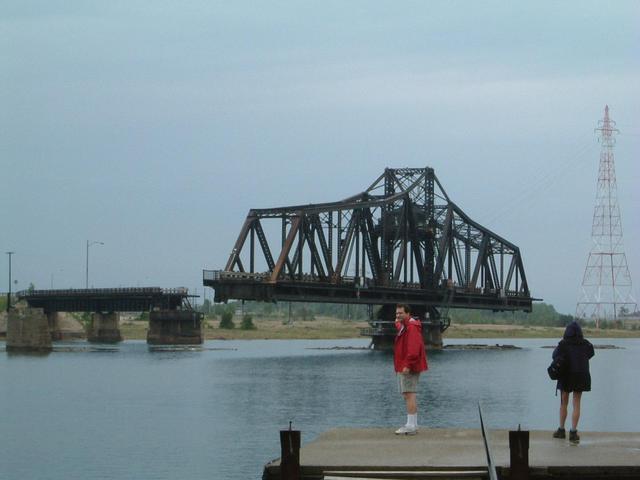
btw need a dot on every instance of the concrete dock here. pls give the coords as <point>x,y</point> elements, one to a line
<point>458,453</point>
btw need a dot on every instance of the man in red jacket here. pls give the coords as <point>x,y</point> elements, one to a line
<point>409,359</point>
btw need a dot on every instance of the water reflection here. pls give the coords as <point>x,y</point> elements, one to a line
<point>215,411</point>
<point>28,353</point>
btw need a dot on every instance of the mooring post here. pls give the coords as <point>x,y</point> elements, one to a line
<point>519,452</point>
<point>290,458</point>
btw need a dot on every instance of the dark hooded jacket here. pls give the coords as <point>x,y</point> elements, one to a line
<point>577,351</point>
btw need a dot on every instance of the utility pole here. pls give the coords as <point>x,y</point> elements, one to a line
<point>86,278</point>
<point>606,284</point>
<point>9,294</point>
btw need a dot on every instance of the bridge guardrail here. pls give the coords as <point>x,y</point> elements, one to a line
<point>216,275</point>
<point>144,291</point>
<point>361,282</point>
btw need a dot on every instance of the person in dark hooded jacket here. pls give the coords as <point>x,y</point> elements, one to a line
<point>576,352</point>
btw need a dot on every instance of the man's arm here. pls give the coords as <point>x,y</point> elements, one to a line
<point>414,344</point>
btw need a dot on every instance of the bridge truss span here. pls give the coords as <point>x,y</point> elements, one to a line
<point>401,240</point>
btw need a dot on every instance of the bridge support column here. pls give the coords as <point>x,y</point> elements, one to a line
<point>53,319</point>
<point>383,342</point>
<point>28,330</point>
<point>431,328</point>
<point>384,330</point>
<point>174,327</point>
<point>62,328</point>
<point>55,327</point>
<point>432,335</point>
<point>104,328</point>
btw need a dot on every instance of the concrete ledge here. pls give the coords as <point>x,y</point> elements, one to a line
<point>599,455</point>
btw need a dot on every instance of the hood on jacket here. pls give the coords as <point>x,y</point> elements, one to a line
<point>415,322</point>
<point>573,330</point>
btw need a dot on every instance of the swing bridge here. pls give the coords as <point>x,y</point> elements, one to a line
<point>402,240</point>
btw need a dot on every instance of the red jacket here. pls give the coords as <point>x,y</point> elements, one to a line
<point>408,348</point>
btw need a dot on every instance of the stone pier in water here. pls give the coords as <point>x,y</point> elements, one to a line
<point>28,330</point>
<point>175,327</point>
<point>383,331</point>
<point>104,328</point>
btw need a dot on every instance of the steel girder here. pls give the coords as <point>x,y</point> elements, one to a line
<point>402,239</point>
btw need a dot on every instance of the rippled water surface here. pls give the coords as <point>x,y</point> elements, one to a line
<point>132,412</point>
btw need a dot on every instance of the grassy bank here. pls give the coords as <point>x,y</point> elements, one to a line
<point>331,328</point>
<point>521,331</point>
<point>321,328</point>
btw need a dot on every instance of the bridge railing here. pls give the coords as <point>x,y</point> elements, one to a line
<point>125,291</point>
<point>358,282</point>
<point>217,275</point>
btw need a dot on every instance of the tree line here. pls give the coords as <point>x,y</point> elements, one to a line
<point>296,310</point>
<point>543,314</point>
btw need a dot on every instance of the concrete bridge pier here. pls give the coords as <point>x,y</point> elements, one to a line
<point>431,328</point>
<point>53,319</point>
<point>385,331</point>
<point>104,328</point>
<point>432,335</point>
<point>28,330</point>
<point>175,327</point>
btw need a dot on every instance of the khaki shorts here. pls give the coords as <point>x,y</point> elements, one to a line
<point>408,382</point>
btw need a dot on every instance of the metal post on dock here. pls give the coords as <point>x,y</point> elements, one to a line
<point>491,467</point>
<point>519,453</point>
<point>290,454</point>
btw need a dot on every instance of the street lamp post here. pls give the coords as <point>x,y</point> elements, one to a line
<point>60,270</point>
<point>86,278</point>
<point>9,294</point>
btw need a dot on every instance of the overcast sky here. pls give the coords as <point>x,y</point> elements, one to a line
<point>155,126</point>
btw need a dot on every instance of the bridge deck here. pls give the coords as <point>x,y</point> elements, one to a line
<point>106,299</point>
<point>248,286</point>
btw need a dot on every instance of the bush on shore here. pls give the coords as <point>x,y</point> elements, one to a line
<point>247,323</point>
<point>226,321</point>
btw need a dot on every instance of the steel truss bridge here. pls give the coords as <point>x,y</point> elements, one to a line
<point>402,240</point>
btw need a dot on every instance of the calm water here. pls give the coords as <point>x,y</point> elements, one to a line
<point>130,412</point>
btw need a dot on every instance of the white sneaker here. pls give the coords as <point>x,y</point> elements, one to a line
<point>406,430</point>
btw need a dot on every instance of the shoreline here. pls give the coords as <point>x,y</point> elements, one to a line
<point>333,329</point>
<point>326,328</point>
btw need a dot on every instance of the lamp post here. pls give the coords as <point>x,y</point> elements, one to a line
<point>9,294</point>
<point>86,278</point>
<point>60,270</point>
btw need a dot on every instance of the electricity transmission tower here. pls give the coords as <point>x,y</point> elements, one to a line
<point>606,284</point>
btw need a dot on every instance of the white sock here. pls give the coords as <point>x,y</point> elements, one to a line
<point>412,420</point>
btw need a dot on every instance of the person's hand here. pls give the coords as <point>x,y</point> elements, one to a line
<point>405,370</point>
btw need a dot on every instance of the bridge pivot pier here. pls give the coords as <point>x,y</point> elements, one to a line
<point>175,327</point>
<point>432,325</point>
<point>28,330</point>
<point>383,330</point>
